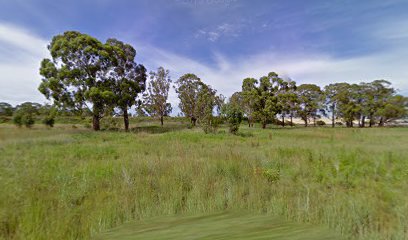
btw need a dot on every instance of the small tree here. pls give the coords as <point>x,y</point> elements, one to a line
<point>206,102</point>
<point>234,117</point>
<point>157,94</point>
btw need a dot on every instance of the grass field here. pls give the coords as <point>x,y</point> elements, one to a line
<point>226,226</point>
<point>71,183</point>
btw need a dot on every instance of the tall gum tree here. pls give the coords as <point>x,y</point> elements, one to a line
<point>74,77</point>
<point>128,79</point>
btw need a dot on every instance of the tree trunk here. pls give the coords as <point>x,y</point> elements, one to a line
<point>381,123</point>
<point>363,121</point>
<point>283,120</point>
<point>291,120</point>
<point>95,122</point>
<point>249,122</point>
<point>314,121</point>
<point>126,119</point>
<point>161,120</point>
<point>371,121</point>
<point>333,116</point>
<point>264,125</point>
<point>193,121</point>
<point>305,122</point>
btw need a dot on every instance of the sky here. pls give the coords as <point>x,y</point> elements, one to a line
<point>221,41</point>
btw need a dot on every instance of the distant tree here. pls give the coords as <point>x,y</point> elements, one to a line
<point>157,94</point>
<point>394,108</point>
<point>333,93</point>
<point>234,113</point>
<point>188,88</point>
<point>48,113</point>
<point>129,78</point>
<point>207,100</point>
<point>310,96</point>
<point>378,95</point>
<point>76,74</point>
<point>6,109</point>
<point>250,98</point>
<point>287,99</point>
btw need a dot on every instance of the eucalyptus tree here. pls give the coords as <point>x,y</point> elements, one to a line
<point>207,100</point>
<point>128,79</point>
<point>188,88</point>
<point>333,93</point>
<point>250,95</point>
<point>395,108</point>
<point>75,75</point>
<point>310,96</point>
<point>157,94</point>
<point>287,100</point>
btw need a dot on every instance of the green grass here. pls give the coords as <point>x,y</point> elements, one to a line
<point>66,183</point>
<point>217,226</point>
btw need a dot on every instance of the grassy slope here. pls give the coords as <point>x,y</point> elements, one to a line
<point>72,183</point>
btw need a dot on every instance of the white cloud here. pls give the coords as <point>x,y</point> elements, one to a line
<point>19,63</point>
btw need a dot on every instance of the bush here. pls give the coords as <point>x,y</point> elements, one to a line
<point>49,121</point>
<point>320,123</point>
<point>234,118</point>
<point>209,124</point>
<point>23,118</point>
<point>339,123</point>
<point>18,120</point>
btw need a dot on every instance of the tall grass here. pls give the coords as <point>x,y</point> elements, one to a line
<point>72,184</point>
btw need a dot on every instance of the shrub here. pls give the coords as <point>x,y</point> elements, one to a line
<point>209,124</point>
<point>23,118</point>
<point>320,123</point>
<point>49,121</point>
<point>339,123</point>
<point>18,120</point>
<point>28,120</point>
<point>234,118</point>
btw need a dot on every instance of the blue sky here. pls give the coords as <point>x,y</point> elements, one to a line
<point>222,41</point>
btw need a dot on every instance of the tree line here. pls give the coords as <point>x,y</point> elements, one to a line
<point>271,96</point>
<point>86,76</point>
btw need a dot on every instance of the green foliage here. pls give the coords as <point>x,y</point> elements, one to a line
<point>188,88</point>
<point>49,121</point>
<point>25,114</point>
<point>6,109</point>
<point>83,70</point>
<point>128,79</point>
<point>234,117</point>
<point>155,100</point>
<point>309,96</point>
<point>320,123</point>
